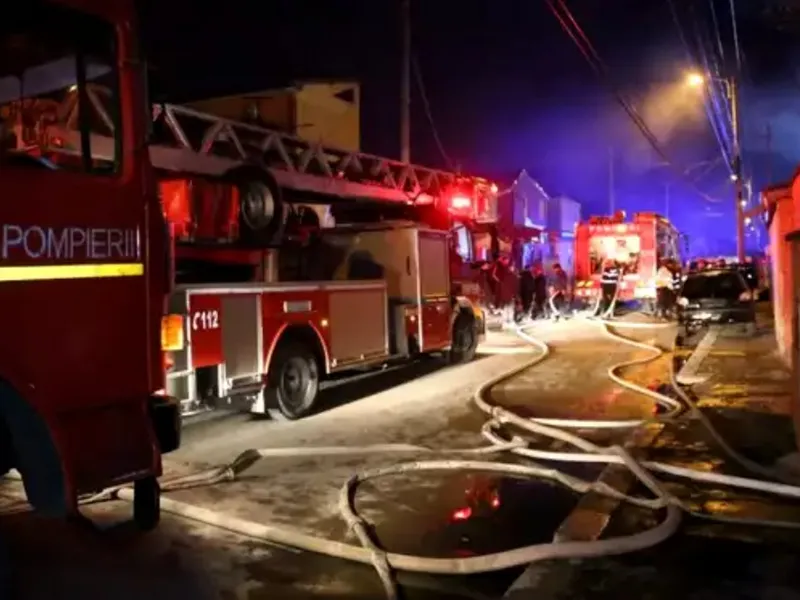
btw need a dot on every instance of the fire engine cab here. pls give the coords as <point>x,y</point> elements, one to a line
<point>83,279</point>
<point>637,246</point>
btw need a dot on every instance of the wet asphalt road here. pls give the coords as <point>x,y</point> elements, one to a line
<point>440,514</point>
<point>746,397</point>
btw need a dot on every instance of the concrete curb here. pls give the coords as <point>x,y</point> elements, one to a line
<point>590,517</point>
<point>688,375</point>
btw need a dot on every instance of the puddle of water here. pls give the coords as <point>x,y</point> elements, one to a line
<point>469,514</point>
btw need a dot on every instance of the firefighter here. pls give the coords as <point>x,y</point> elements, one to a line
<point>609,281</point>
<point>677,283</point>
<point>505,285</point>
<point>539,292</point>
<point>526,291</point>
<point>558,291</point>
<point>663,290</point>
<point>487,285</point>
<point>677,277</point>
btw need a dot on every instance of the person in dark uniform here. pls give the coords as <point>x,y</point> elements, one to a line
<point>559,291</point>
<point>539,292</point>
<point>609,280</point>
<point>506,288</point>
<point>526,290</point>
<point>677,284</point>
<point>677,277</point>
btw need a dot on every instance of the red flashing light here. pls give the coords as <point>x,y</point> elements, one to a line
<point>460,202</point>
<point>493,188</point>
<point>462,514</point>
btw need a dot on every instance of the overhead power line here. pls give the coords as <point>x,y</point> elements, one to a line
<point>715,26</point>
<point>426,105</point>
<point>572,28</point>
<point>719,102</point>
<point>712,114</point>
<point>736,50</point>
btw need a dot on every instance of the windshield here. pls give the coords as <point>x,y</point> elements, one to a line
<point>713,284</point>
<point>625,249</point>
<point>52,60</point>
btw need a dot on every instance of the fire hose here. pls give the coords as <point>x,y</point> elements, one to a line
<point>385,563</point>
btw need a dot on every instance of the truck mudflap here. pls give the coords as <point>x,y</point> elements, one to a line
<point>165,415</point>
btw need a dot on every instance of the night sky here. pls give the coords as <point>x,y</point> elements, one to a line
<point>508,89</point>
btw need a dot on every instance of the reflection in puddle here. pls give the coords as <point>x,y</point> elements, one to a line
<point>475,513</point>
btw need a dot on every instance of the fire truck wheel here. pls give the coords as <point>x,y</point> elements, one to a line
<point>262,213</point>
<point>146,503</point>
<point>294,381</point>
<point>465,339</point>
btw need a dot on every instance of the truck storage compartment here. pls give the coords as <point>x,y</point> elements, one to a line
<point>358,324</point>
<point>387,252</point>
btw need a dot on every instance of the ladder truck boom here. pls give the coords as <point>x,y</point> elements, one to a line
<point>185,140</point>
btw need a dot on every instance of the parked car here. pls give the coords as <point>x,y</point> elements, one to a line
<point>717,296</point>
<point>756,278</point>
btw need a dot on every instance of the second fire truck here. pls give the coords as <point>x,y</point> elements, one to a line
<point>636,245</point>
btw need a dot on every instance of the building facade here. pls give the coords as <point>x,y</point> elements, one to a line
<point>543,225</point>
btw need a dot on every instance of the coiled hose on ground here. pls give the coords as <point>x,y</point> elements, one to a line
<point>369,552</point>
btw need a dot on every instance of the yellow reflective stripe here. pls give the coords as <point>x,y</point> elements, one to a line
<point>81,271</point>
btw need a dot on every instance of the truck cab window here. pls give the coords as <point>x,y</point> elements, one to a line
<point>463,242</point>
<point>58,88</point>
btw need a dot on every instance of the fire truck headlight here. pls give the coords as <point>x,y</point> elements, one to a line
<point>683,301</point>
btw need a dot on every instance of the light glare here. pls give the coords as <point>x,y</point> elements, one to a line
<point>695,79</point>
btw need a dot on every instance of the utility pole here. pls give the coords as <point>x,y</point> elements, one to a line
<point>730,85</point>
<point>611,181</point>
<point>405,84</point>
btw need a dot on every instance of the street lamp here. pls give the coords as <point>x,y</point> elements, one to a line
<point>698,80</point>
<point>695,80</point>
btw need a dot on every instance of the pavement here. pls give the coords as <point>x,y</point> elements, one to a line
<point>415,515</point>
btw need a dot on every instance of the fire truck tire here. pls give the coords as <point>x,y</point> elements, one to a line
<point>465,339</point>
<point>146,503</point>
<point>293,382</point>
<point>34,454</point>
<point>262,212</point>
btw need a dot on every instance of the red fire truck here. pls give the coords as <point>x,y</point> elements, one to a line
<point>636,245</point>
<point>266,301</point>
<point>83,280</point>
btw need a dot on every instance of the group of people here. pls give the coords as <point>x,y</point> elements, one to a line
<point>533,293</point>
<point>669,279</point>
<point>538,293</point>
